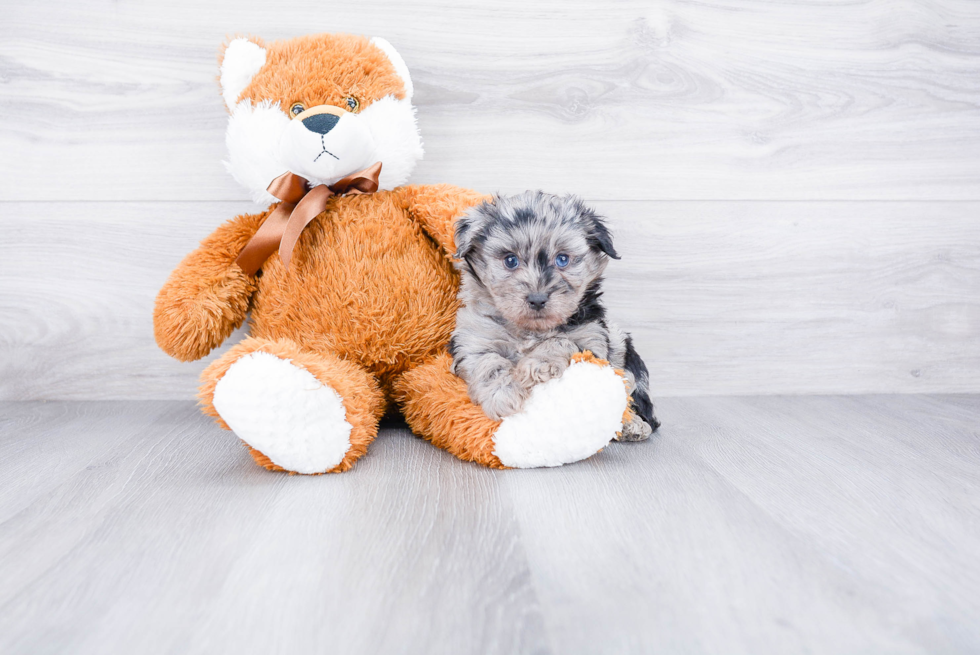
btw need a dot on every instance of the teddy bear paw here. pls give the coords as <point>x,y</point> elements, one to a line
<point>284,412</point>
<point>565,419</point>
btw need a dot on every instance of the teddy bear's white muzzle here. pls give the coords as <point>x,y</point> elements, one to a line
<point>325,147</point>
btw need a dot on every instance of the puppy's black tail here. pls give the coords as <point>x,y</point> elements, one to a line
<point>642,404</point>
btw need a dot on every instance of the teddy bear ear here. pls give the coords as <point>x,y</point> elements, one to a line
<point>397,62</point>
<point>241,60</point>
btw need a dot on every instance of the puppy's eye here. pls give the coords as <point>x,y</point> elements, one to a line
<point>352,104</point>
<point>511,261</point>
<point>297,109</point>
<point>561,261</point>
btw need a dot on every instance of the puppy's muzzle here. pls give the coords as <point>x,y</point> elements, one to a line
<point>320,119</point>
<point>537,301</point>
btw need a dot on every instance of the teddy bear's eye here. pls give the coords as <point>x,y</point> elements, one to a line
<point>297,109</point>
<point>352,104</point>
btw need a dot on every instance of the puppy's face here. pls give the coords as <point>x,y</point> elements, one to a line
<point>532,256</point>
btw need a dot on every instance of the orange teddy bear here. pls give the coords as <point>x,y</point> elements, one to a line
<point>349,278</point>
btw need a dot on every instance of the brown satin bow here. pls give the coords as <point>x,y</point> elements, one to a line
<point>300,205</point>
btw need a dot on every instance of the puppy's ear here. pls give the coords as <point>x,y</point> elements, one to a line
<point>470,227</point>
<point>597,234</point>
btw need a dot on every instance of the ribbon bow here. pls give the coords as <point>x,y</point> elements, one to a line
<point>300,205</point>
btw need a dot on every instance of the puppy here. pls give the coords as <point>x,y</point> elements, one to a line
<point>531,269</point>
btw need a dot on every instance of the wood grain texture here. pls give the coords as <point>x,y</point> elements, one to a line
<point>772,524</point>
<point>807,297</point>
<point>733,298</point>
<point>112,134</point>
<point>775,524</point>
<point>741,99</point>
<point>175,541</point>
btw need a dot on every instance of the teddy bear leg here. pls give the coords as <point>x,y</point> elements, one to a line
<point>297,411</point>
<point>565,420</point>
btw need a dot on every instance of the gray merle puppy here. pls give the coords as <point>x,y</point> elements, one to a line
<point>531,269</point>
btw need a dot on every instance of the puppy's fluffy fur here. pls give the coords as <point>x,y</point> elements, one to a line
<point>531,268</point>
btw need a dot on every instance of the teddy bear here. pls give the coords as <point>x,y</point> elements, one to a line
<point>347,278</point>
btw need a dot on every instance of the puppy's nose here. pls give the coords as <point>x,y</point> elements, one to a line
<point>537,300</point>
<point>320,123</point>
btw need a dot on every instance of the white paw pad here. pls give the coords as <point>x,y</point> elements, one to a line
<point>565,419</point>
<point>282,410</point>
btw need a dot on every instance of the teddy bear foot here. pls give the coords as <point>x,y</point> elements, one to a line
<point>565,420</point>
<point>281,410</point>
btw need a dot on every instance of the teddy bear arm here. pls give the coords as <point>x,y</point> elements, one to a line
<point>437,207</point>
<point>207,296</point>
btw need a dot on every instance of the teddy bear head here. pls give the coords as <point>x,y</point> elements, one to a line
<point>321,107</point>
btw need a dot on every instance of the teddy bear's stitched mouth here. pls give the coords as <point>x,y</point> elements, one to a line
<point>325,151</point>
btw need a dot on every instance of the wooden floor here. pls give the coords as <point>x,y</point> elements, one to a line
<point>748,525</point>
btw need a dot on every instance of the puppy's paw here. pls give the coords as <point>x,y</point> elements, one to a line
<point>532,370</point>
<point>635,429</point>
<point>504,401</point>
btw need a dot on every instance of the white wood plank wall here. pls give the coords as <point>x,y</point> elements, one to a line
<point>795,185</point>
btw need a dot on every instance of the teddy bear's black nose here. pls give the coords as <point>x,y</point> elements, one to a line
<point>320,123</point>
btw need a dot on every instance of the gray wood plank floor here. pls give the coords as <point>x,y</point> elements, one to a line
<point>748,525</point>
